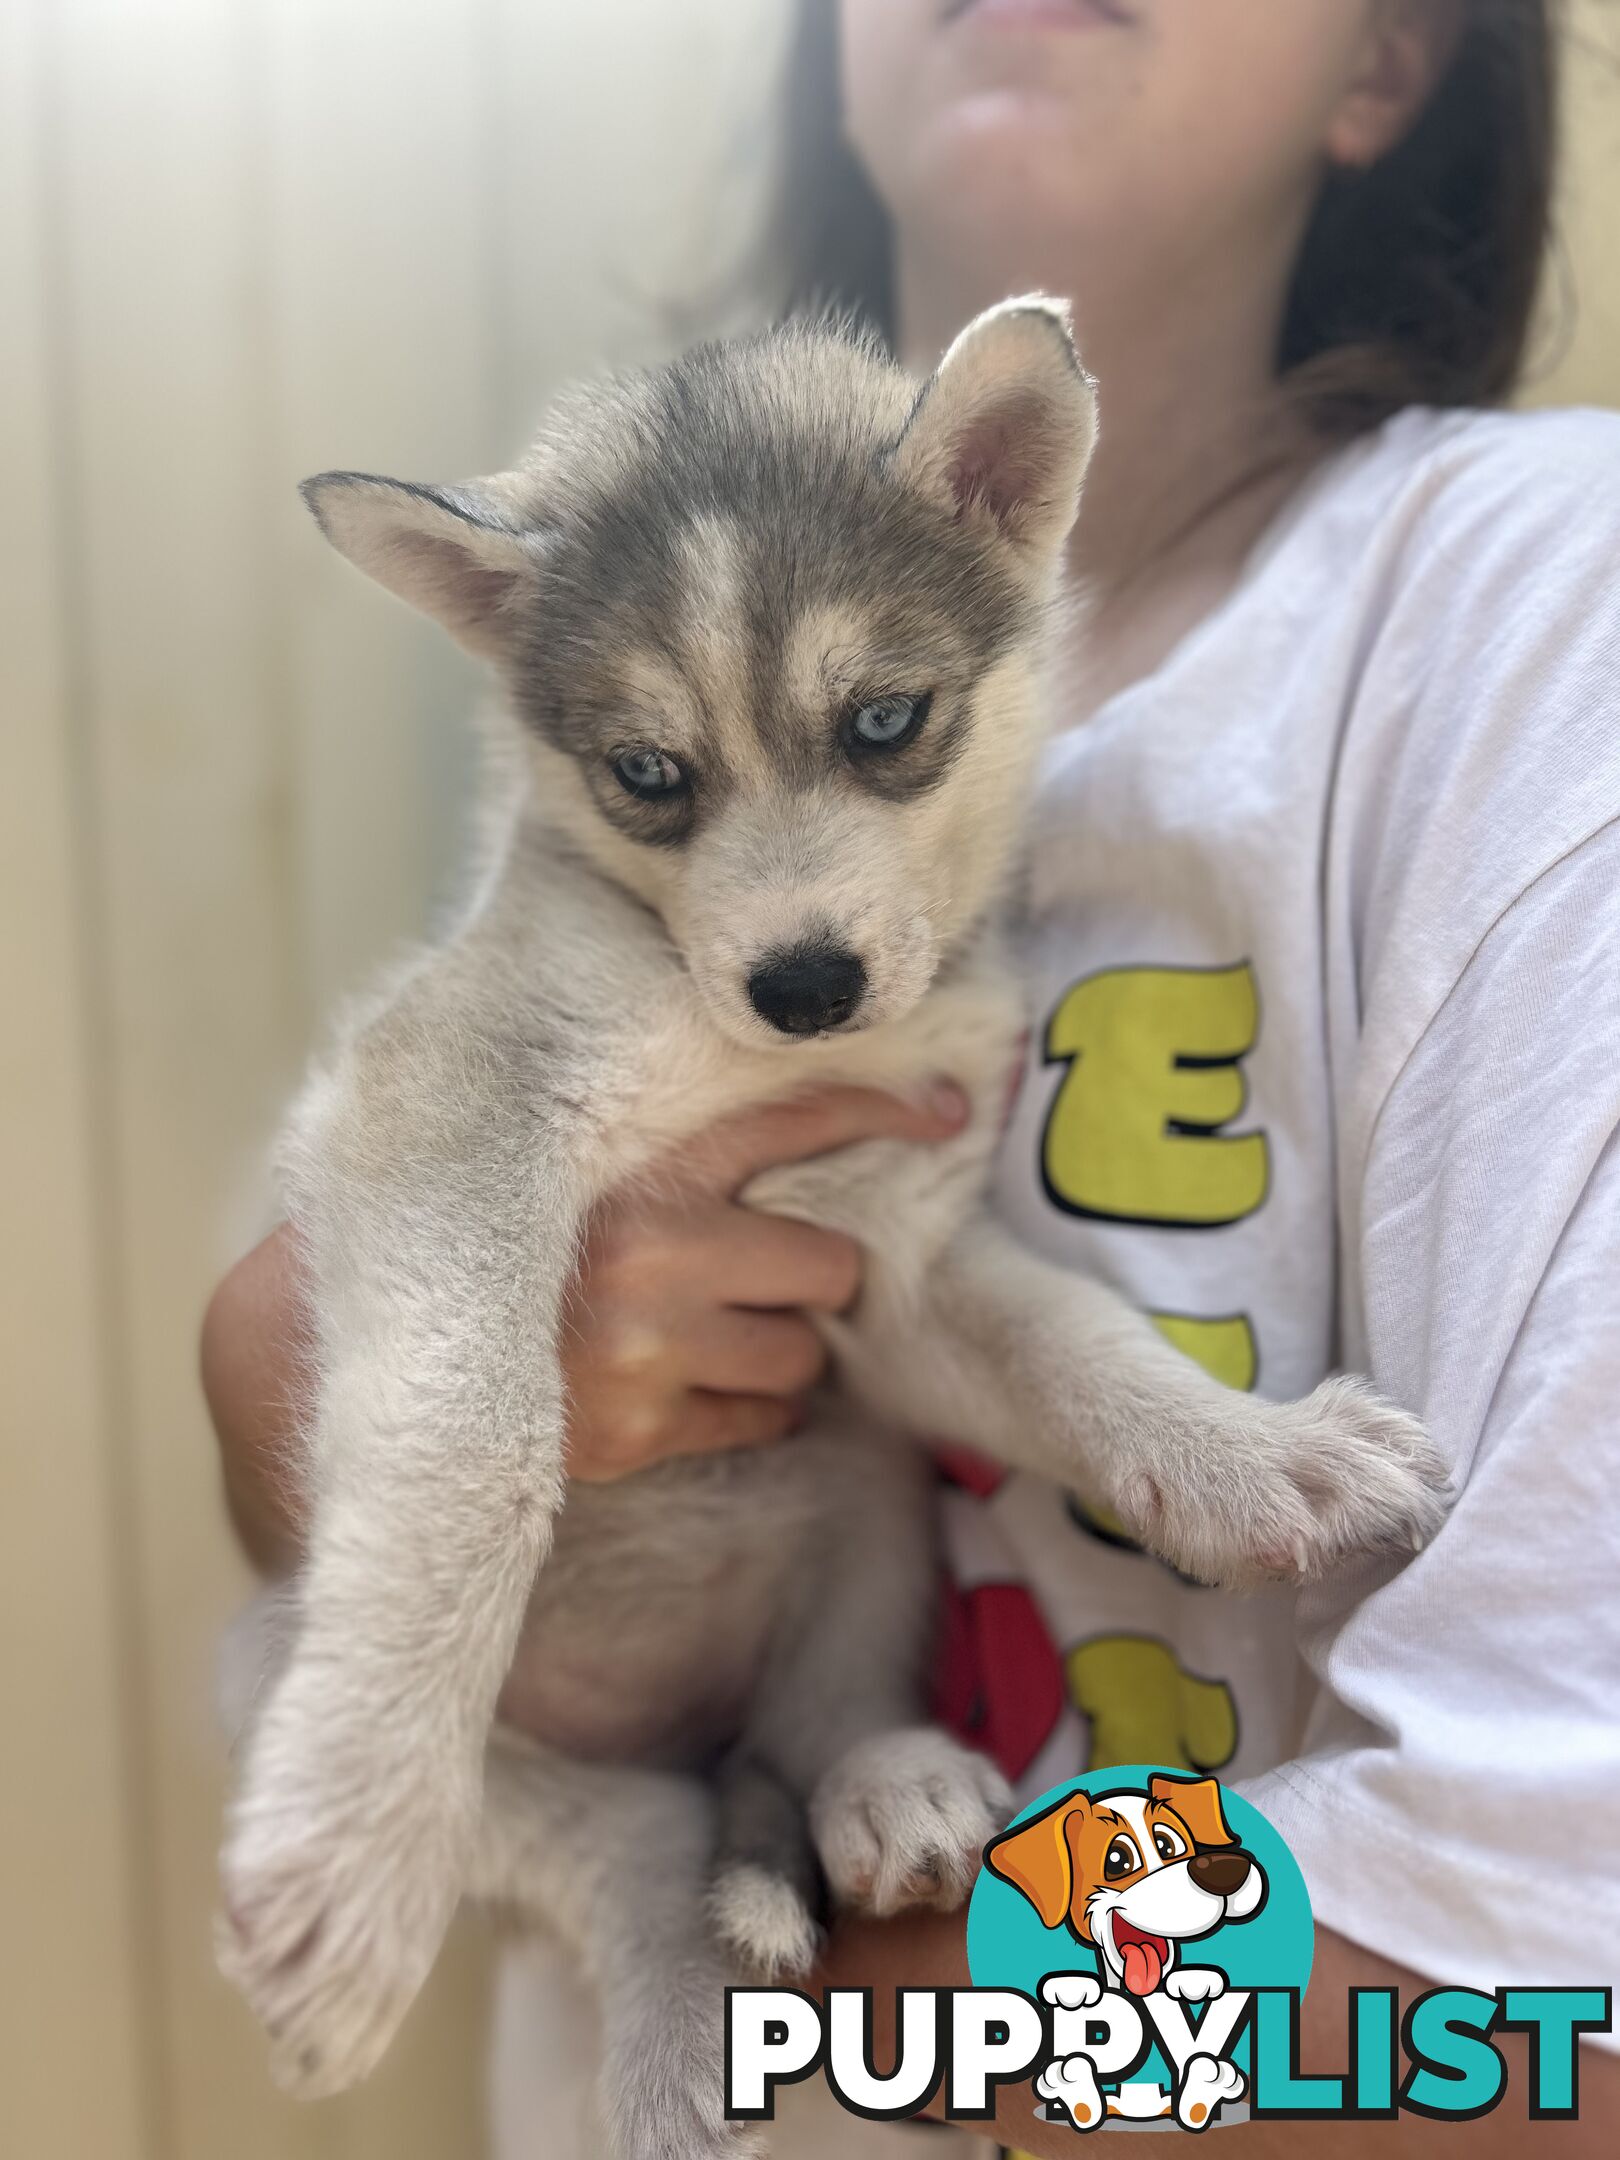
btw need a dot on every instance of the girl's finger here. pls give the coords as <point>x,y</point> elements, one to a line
<point>724,1158</point>
<point>732,1352</point>
<point>712,1424</point>
<point>748,1258</point>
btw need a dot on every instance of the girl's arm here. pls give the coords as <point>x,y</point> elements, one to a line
<point>255,1342</point>
<point>686,1325</point>
<point>1466,1699</point>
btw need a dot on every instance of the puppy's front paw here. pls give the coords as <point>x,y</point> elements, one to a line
<point>1072,2085</point>
<point>761,1917</point>
<point>339,1876</point>
<point>903,1820</point>
<point>1267,1491</point>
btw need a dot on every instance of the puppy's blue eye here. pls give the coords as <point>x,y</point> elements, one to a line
<point>650,774</point>
<point>886,722</point>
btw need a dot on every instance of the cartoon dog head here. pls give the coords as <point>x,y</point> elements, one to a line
<point>1133,1873</point>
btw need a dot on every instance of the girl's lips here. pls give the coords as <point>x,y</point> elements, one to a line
<point>1040,14</point>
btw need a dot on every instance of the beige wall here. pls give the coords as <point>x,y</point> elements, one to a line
<point>239,240</point>
<point>1583,342</point>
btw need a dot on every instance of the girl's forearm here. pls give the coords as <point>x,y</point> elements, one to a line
<point>255,1342</point>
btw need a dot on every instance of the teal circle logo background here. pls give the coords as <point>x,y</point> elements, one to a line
<point>1008,1947</point>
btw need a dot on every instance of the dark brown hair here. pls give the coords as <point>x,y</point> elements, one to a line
<point>1417,280</point>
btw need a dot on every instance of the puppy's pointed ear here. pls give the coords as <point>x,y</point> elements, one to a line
<point>1198,1802</point>
<point>1005,427</point>
<point>1037,1859</point>
<point>457,553</point>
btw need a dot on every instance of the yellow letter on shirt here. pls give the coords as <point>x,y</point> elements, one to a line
<point>1134,1132</point>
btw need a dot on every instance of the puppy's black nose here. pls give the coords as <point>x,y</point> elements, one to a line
<point>1222,1874</point>
<point>807,989</point>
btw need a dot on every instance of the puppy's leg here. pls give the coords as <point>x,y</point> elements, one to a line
<point>903,1817</point>
<point>438,1250</point>
<point>767,1884</point>
<point>1054,1372</point>
<point>617,1861</point>
<point>899,1811</point>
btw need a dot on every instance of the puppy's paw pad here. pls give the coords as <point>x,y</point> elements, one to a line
<point>903,1820</point>
<point>763,1919</point>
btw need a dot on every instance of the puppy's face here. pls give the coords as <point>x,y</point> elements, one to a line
<point>772,623</point>
<point>797,749</point>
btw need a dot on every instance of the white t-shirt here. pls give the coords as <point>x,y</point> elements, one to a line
<point>1326,1071</point>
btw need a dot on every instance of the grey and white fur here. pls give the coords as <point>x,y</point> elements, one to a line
<point>769,628</point>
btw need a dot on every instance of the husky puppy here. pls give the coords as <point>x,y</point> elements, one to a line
<point>768,623</point>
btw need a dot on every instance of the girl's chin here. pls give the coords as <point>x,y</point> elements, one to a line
<point>1051,142</point>
<point>1016,161</point>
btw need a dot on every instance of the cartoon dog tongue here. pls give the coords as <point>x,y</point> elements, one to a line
<point>1144,1963</point>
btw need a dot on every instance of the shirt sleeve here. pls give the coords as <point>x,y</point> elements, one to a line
<point>1457,1804</point>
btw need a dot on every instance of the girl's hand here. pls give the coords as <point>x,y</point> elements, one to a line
<point>684,1331</point>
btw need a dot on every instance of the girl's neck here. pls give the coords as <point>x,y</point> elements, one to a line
<point>1198,449</point>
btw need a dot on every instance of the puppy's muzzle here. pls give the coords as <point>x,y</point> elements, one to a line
<point>1222,1874</point>
<point>808,988</point>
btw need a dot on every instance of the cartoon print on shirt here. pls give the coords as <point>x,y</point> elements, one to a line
<point>1225,1347</point>
<point>999,1683</point>
<point>1002,1685</point>
<point>1227,1350</point>
<point>1135,1132</point>
<point>1136,1695</point>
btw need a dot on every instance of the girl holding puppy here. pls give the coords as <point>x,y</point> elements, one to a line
<point>1325,894</point>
